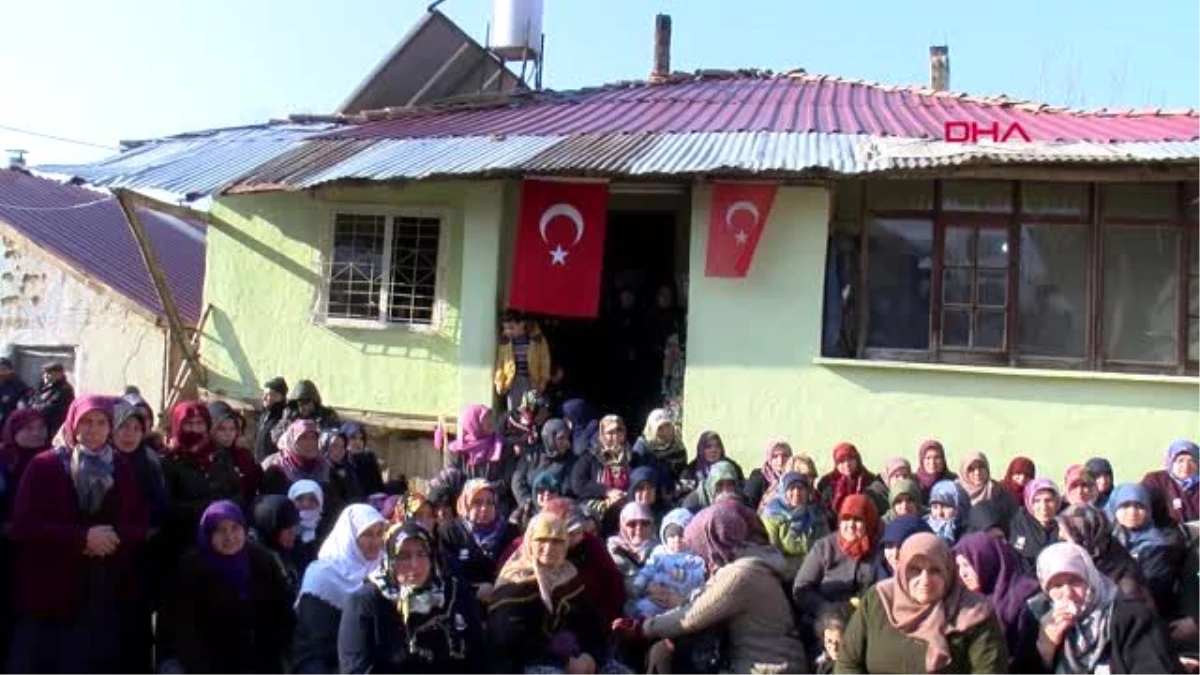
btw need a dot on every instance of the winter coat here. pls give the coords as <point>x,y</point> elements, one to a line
<point>315,646</point>
<point>829,578</point>
<point>792,545</point>
<point>1028,537</point>
<point>476,566</point>
<point>537,357</point>
<point>344,486</point>
<point>1170,500</point>
<point>604,588</point>
<point>531,464</point>
<point>53,400</point>
<point>690,480</point>
<point>754,488</point>
<point>872,645</point>
<point>1138,642</point>
<point>374,638</point>
<point>264,442</point>
<point>12,392</point>
<point>746,597</point>
<point>366,468</point>
<point>191,489</point>
<point>520,628</point>
<point>215,631</point>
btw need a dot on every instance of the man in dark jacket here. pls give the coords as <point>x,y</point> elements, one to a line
<point>55,397</point>
<point>305,405</point>
<point>12,389</point>
<point>274,401</point>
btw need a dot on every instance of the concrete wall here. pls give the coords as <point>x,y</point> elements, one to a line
<point>44,305</point>
<point>754,371</point>
<point>263,277</point>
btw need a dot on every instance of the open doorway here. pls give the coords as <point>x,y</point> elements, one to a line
<point>616,361</point>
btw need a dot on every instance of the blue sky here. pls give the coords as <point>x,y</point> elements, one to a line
<point>123,69</point>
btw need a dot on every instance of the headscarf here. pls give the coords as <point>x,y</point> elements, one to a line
<point>446,487</point>
<point>409,600</point>
<point>233,569</point>
<point>702,465</point>
<point>1145,537</point>
<point>1086,641</point>
<point>489,536</point>
<point>924,478</point>
<point>1182,447</point>
<point>294,466</point>
<point>551,430</point>
<point>1099,466</point>
<point>718,534</point>
<point>802,519</point>
<point>894,466</point>
<point>987,515</point>
<point>350,429</point>
<point>718,472</point>
<point>958,611</point>
<point>134,398</point>
<point>546,480</point>
<point>769,473</point>
<point>196,447</point>
<point>615,460</point>
<point>1001,577</point>
<point>92,469</point>
<point>904,486</point>
<point>977,492</point>
<point>471,442</point>
<point>523,566</point>
<point>1077,473</point>
<point>405,508</point>
<point>844,486</point>
<point>1037,485</point>
<point>219,411</point>
<point>1021,465</point>
<point>679,517</point>
<point>585,423</point>
<point>950,493</point>
<point>326,441</point>
<point>862,508</point>
<point>340,568</point>
<point>309,518</point>
<point>895,534</point>
<point>631,512</point>
<point>1088,527</point>
<point>673,453</point>
<point>14,456</point>
<point>273,514</point>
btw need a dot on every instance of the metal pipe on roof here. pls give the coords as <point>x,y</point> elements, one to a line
<point>662,46</point>
<point>939,68</point>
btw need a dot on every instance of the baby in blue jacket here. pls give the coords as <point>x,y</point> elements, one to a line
<point>671,565</point>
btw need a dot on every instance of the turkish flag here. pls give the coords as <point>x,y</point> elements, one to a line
<point>560,248</point>
<point>736,218</point>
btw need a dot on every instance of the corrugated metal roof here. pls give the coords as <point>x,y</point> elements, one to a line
<point>200,163</point>
<point>87,229</point>
<point>790,103</point>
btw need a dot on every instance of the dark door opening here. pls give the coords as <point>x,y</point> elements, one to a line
<point>615,361</point>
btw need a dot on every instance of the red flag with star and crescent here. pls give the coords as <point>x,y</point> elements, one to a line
<point>560,248</point>
<point>736,218</point>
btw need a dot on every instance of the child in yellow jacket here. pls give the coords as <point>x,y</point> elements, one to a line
<point>522,361</point>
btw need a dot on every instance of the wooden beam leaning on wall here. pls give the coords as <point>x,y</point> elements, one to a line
<point>129,201</point>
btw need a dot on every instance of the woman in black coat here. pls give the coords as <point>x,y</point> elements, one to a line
<point>476,539</point>
<point>230,612</point>
<point>411,618</point>
<point>553,455</point>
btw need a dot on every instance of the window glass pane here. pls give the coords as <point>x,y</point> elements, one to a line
<point>1139,200</point>
<point>993,248</point>
<point>993,287</point>
<point>1054,199</point>
<point>900,195</point>
<point>414,270</point>
<point>1141,277</point>
<point>956,328</point>
<point>960,246</point>
<point>977,195</point>
<point>989,329</point>
<point>956,285</point>
<point>900,263</point>
<point>355,271</point>
<point>1053,290</point>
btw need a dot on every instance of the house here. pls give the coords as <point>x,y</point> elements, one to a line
<point>1012,296</point>
<point>75,287</point>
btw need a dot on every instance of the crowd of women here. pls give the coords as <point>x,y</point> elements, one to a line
<point>557,541</point>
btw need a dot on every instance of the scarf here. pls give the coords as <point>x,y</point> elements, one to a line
<point>924,478</point>
<point>310,519</point>
<point>615,460</point>
<point>860,507</point>
<point>233,569</point>
<point>1035,486</point>
<point>14,456</point>
<point>486,536</point>
<point>273,514</point>
<point>409,600</point>
<point>802,520</point>
<point>1021,465</point>
<point>893,468</point>
<point>294,466</point>
<point>718,472</point>
<point>843,485</point>
<point>92,470</point>
<point>950,493</point>
<point>1182,447</point>
<point>551,431</point>
<point>703,465</point>
<point>718,534</point>
<point>637,552</point>
<point>1098,466</point>
<point>904,486</point>
<point>672,453</point>
<point>958,611</point>
<point>340,568</point>
<point>976,492</point>
<point>585,424</point>
<point>326,443</point>
<point>472,443</point>
<point>192,446</point>
<point>895,534</point>
<point>1001,577</point>
<point>523,567</point>
<point>1139,540</point>
<point>1086,642</point>
<point>769,473</point>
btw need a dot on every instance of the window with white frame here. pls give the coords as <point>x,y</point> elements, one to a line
<point>383,268</point>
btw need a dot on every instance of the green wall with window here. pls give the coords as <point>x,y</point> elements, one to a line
<point>755,368</point>
<point>268,268</point>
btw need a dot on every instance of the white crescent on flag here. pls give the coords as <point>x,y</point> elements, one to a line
<point>742,205</point>
<point>562,209</point>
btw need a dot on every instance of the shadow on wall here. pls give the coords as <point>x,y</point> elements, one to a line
<point>398,343</point>
<point>305,274</point>
<point>226,337</point>
<point>1031,389</point>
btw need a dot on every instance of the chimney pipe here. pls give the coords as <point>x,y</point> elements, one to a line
<point>939,68</point>
<point>16,159</point>
<point>662,46</point>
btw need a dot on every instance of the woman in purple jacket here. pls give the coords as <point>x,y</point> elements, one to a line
<point>1175,490</point>
<point>77,521</point>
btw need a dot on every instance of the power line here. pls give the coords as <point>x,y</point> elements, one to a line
<point>57,138</point>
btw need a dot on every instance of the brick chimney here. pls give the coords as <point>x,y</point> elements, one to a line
<point>662,47</point>
<point>939,68</point>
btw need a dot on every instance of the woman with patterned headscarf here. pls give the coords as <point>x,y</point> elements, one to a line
<point>77,521</point>
<point>1089,528</point>
<point>932,466</point>
<point>600,478</point>
<point>661,448</point>
<point>477,537</point>
<point>411,616</point>
<point>762,479</point>
<point>710,449</point>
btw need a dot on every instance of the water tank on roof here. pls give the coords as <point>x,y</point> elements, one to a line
<point>516,29</point>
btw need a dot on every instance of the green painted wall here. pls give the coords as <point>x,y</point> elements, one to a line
<point>263,279</point>
<point>753,372</point>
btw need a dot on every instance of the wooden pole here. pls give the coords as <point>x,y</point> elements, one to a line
<point>129,201</point>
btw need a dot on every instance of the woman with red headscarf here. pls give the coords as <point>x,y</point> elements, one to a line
<point>24,435</point>
<point>78,520</point>
<point>848,477</point>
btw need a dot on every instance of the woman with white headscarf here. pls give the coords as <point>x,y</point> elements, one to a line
<point>352,552</point>
<point>1087,626</point>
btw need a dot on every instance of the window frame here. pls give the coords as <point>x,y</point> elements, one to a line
<point>1091,217</point>
<point>390,213</point>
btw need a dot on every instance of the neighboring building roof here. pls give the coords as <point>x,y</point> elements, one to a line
<point>87,230</point>
<point>711,123</point>
<point>434,61</point>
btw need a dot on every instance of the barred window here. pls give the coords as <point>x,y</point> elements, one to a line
<point>383,268</point>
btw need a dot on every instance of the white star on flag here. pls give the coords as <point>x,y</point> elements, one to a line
<point>558,256</point>
<point>741,237</point>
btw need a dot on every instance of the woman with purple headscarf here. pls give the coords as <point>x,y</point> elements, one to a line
<point>1035,527</point>
<point>989,566</point>
<point>231,611</point>
<point>1175,489</point>
<point>480,452</point>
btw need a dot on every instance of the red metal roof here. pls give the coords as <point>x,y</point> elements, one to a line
<point>787,103</point>
<point>87,230</point>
